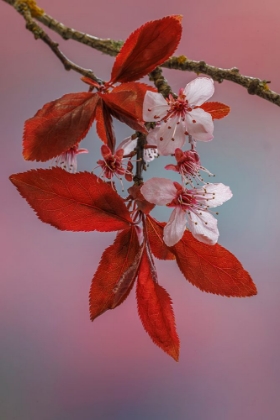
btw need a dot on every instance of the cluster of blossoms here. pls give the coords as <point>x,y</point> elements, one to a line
<point>177,119</point>
<point>84,201</point>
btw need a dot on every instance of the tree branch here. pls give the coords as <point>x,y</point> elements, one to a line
<point>253,85</point>
<point>38,33</point>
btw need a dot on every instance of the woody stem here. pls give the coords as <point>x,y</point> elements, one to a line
<point>140,164</point>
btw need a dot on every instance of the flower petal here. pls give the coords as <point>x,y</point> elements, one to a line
<point>175,227</point>
<point>128,145</point>
<point>199,90</point>
<point>150,154</point>
<point>199,124</point>
<point>171,167</point>
<point>203,226</point>
<point>170,135</point>
<point>159,191</point>
<point>152,135</point>
<point>79,151</point>
<point>155,106</point>
<point>219,194</point>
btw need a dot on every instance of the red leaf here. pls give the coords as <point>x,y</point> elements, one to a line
<point>212,268</point>
<point>90,82</point>
<point>76,202</point>
<point>104,125</point>
<point>155,309</point>
<point>155,235</point>
<point>216,109</point>
<point>147,47</point>
<point>126,104</point>
<point>128,98</point>
<point>126,281</point>
<point>117,261</point>
<point>142,204</point>
<point>58,126</point>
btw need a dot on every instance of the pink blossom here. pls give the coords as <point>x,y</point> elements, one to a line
<point>68,159</point>
<point>127,145</point>
<point>181,116</point>
<point>112,164</point>
<point>191,206</point>
<point>188,165</point>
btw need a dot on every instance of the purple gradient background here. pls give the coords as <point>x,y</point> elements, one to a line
<point>56,364</point>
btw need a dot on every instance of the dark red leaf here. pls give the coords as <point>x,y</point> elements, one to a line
<point>142,204</point>
<point>76,202</point>
<point>147,47</point>
<point>104,125</point>
<point>117,261</point>
<point>155,235</point>
<point>216,109</point>
<point>128,99</point>
<point>90,82</point>
<point>212,268</point>
<point>126,281</point>
<point>126,104</point>
<point>58,126</point>
<point>155,309</point>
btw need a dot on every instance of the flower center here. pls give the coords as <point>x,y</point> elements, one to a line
<point>179,107</point>
<point>183,199</point>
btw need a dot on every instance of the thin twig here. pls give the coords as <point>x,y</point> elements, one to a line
<point>253,85</point>
<point>38,33</point>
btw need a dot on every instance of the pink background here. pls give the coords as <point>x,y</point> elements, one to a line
<point>55,363</point>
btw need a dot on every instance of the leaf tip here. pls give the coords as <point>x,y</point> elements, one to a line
<point>174,353</point>
<point>178,17</point>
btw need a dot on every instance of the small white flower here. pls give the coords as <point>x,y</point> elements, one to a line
<point>191,207</point>
<point>68,159</point>
<point>180,117</point>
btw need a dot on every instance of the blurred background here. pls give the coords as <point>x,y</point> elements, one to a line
<point>57,365</point>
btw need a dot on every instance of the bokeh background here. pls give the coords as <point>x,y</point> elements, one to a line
<point>57,365</point>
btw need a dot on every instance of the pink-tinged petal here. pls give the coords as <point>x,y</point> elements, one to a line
<point>199,90</point>
<point>200,125</point>
<point>159,191</point>
<point>128,145</point>
<point>170,136</point>
<point>175,227</point>
<point>217,194</point>
<point>179,154</point>
<point>79,151</point>
<point>203,226</point>
<point>155,106</point>
<point>152,135</point>
<point>171,167</point>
